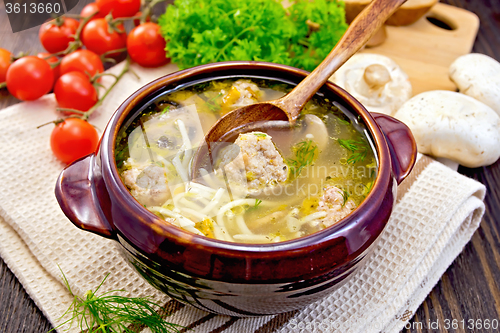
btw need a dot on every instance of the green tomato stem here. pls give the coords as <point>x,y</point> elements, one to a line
<point>148,9</point>
<point>70,110</point>
<point>104,57</point>
<point>77,43</point>
<point>125,69</point>
<point>117,20</point>
<point>75,16</point>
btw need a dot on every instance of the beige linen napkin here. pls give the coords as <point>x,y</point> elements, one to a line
<point>436,214</point>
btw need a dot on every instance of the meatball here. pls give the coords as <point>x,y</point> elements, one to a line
<point>148,185</point>
<point>241,93</point>
<point>333,203</point>
<point>258,163</point>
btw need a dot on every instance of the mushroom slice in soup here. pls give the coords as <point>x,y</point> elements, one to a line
<point>314,128</point>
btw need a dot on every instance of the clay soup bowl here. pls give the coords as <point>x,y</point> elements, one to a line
<point>233,278</point>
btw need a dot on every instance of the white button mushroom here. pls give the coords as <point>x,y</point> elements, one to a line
<point>315,130</point>
<point>455,126</point>
<point>376,81</point>
<point>478,76</point>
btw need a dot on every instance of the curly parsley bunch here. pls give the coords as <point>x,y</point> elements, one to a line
<point>204,31</point>
<point>319,26</point>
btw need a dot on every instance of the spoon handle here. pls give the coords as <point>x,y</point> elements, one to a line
<point>359,32</point>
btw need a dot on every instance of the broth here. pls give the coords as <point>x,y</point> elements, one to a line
<point>266,187</point>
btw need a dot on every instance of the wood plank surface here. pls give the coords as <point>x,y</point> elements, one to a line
<point>467,293</point>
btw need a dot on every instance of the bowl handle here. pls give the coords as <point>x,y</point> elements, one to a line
<point>78,196</point>
<point>402,145</point>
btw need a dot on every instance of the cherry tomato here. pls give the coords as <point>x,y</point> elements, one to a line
<point>119,8</point>
<point>96,37</point>
<point>56,36</point>
<point>82,61</point>
<point>72,139</point>
<point>73,90</point>
<point>146,46</point>
<point>51,60</point>
<point>5,61</point>
<point>90,9</point>
<point>29,78</point>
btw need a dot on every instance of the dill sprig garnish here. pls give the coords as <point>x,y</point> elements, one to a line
<point>367,188</point>
<point>212,104</point>
<point>343,121</point>
<point>305,152</point>
<point>257,203</point>
<point>121,155</point>
<point>358,148</point>
<point>345,196</point>
<point>255,206</point>
<point>165,110</point>
<point>107,313</point>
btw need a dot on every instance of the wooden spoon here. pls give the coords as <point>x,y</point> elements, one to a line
<point>288,108</point>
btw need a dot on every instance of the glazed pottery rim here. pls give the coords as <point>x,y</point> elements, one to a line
<point>371,202</point>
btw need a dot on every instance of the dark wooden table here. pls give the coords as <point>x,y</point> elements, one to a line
<point>467,293</point>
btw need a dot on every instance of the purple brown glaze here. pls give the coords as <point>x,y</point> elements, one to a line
<point>400,142</point>
<point>233,278</point>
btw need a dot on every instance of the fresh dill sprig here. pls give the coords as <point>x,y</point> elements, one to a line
<point>358,148</point>
<point>165,110</point>
<point>121,155</point>
<point>107,313</point>
<point>367,188</point>
<point>212,104</point>
<point>343,121</point>
<point>256,205</point>
<point>345,196</point>
<point>305,152</point>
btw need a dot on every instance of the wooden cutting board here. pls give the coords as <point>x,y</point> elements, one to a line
<point>425,51</point>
